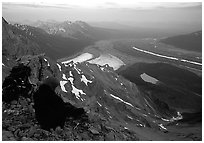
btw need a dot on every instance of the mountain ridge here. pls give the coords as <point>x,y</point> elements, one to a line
<point>191,41</point>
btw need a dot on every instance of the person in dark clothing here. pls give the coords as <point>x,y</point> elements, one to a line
<point>50,109</point>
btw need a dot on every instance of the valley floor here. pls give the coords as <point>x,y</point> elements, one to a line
<point>112,53</point>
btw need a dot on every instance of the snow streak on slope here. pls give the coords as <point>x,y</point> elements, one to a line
<point>47,62</point>
<point>60,68</point>
<point>118,98</point>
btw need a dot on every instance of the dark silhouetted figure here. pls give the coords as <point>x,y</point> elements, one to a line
<point>50,109</point>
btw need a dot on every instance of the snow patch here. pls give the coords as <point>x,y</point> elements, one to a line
<point>60,68</point>
<point>102,68</point>
<point>85,80</point>
<point>70,73</point>
<point>75,91</point>
<point>71,79</point>
<point>129,117</point>
<point>47,62</point>
<point>77,69</point>
<point>126,128</point>
<point>62,83</point>
<point>64,76</point>
<point>62,29</point>
<point>141,125</point>
<point>162,126</point>
<point>99,104</point>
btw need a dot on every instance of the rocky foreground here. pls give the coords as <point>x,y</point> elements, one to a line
<point>92,103</point>
<point>19,124</point>
<point>19,119</point>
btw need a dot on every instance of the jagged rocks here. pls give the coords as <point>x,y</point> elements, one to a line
<point>26,139</point>
<point>8,136</point>
<point>23,126</point>
<point>109,137</point>
<point>16,83</point>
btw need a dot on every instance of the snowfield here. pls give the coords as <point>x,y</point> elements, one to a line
<point>79,59</point>
<point>103,59</point>
<point>109,59</point>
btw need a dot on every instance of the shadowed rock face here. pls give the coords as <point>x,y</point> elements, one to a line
<point>50,109</point>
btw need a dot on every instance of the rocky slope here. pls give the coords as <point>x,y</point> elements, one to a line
<point>114,108</point>
<point>15,45</point>
<point>18,102</point>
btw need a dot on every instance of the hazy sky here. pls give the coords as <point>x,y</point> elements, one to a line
<point>127,12</point>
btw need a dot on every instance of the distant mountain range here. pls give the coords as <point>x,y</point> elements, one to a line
<point>55,46</point>
<point>97,31</point>
<point>192,41</point>
<point>74,30</point>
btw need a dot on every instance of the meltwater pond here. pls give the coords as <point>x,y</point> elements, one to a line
<point>148,78</point>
